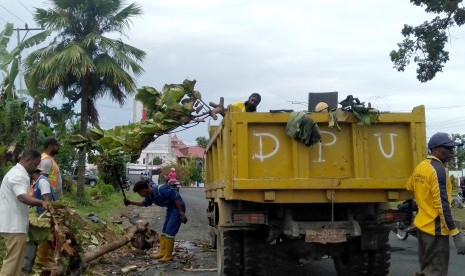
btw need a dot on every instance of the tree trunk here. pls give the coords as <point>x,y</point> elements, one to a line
<point>104,249</point>
<point>35,119</point>
<point>83,130</point>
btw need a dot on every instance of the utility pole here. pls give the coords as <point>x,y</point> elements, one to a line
<point>18,30</point>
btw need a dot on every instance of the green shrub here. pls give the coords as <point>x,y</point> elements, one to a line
<point>105,189</point>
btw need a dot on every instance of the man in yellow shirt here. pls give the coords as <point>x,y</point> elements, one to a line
<point>251,104</point>
<point>432,187</point>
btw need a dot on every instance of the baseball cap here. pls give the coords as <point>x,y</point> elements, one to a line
<point>442,139</point>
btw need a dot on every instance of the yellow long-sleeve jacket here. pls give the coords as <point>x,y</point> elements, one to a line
<point>431,185</point>
<point>240,105</point>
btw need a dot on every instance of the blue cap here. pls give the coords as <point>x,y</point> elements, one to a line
<point>442,139</point>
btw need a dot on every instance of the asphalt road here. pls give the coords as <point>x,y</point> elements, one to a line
<point>404,258</point>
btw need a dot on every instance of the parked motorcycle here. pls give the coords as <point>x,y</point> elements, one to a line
<point>405,228</point>
<point>461,196</point>
<point>126,183</point>
<point>174,185</point>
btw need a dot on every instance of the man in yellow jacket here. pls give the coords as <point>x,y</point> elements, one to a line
<point>432,189</point>
<point>251,104</point>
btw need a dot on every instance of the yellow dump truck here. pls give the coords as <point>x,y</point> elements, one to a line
<point>269,193</point>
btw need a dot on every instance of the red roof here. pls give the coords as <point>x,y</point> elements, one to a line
<point>178,153</point>
<point>176,143</point>
<point>197,151</point>
<point>181,150</point>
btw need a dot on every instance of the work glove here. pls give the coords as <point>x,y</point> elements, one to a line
<point>459,243</point>
<point>183,218</point>
<point>126,202</point>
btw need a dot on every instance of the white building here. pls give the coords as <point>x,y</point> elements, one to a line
<point>161,147</point>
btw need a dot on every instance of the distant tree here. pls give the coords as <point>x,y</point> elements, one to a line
<point>195,173</point>
<point>157,160</point>
<point>67,157</point>
<point>425,43</point>
<point>202,141</point>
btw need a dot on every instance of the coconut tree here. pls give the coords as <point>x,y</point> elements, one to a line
<point>81,61</point>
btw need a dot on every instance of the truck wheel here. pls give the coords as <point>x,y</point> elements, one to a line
<point>254,253</point>
<point>92,183</point>
<point>228,253</point>
<point>379,260</point>
<point>352,261</point>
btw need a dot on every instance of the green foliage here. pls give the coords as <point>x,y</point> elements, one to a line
<point>157,160</point>
<point>109,166</point>
<point>9,61</point>
<point>176,106</point>
<point>13,131</point>
<point>459,153</point>
<point>105,190</point>
<point>195,173</point>
<point>81,62</point>
<point>14,113</point>
<point>68,155</point>
<point>426,42</point>
<point>2,248</point>
<point>202,141</point>
<point>39,227</point>
<point>186,174</point>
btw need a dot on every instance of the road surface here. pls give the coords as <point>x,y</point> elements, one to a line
<point>404,258</point>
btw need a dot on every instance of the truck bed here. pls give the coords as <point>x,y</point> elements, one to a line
<point>250,158</point>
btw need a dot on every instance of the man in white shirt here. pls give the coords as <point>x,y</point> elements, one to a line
<point>14,211</point>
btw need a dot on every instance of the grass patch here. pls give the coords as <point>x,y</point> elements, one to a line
<point>102,201</point>
<point>2,249</point>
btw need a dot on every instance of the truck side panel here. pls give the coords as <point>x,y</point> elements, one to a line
<point>251,158</point>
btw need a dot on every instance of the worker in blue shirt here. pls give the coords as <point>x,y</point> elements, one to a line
<point>164,196</point>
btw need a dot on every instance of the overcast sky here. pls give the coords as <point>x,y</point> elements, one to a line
<point>283,50</point>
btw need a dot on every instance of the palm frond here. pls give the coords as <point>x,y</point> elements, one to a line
<point>31,41</point>
<point>122,19</point>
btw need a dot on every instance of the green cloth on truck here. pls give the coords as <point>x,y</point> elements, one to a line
<point>303,129</point>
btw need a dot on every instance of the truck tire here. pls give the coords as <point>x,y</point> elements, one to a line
<point>379,260</point>
<point>352,261</point>
<point>228,253</point>
<point>92,183</point>
<point>254,253</point>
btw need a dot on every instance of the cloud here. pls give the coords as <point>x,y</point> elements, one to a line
<point>285,49</point>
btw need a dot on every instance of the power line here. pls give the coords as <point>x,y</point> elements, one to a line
<point>12,13</point>
<point>25,7</point>
<point>3,20</point>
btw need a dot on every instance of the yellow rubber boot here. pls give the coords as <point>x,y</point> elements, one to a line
<point>169,243</point>
<point>161,251</point>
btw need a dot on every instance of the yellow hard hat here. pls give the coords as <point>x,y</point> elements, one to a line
<point>321,106</point>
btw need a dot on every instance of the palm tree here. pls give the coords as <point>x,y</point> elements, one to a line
<point>81,61</point>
